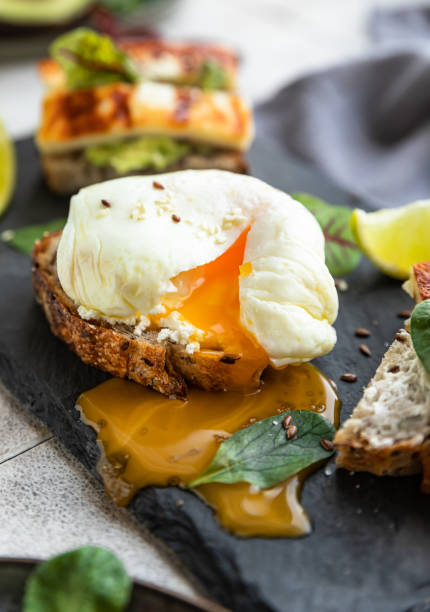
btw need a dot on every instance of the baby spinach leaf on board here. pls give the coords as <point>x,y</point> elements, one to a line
<point>263,456</point>
<point>90,59</point>
<point>88,579</point>
<point>24,238</point>
<point>342,253</point>
<point>420,332</point>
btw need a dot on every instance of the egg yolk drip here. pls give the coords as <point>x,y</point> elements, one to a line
<point>148,439</point>
<point>207,297</point>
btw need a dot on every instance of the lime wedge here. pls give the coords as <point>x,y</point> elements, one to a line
<point>394,238</point>
<point>7,169</point>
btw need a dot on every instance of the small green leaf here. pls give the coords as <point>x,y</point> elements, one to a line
<point>87,579</point>
<point>213,76</point>
<point>342,253</point>
<point>90,59</point>
<point>420,332</point>
<point>24,238</point>
<point>263,456</point>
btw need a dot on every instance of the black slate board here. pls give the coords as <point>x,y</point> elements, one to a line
<point>369,549</point>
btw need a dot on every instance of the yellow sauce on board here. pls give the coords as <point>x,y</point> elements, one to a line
<point>148,439</point>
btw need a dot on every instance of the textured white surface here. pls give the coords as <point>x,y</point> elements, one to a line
<point>64,507</point>
<point>48,503</point>
<point>19,431</point>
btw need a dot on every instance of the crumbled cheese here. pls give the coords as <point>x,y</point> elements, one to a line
<point>139,322</point>
<point>143,324</point>
<point>87,314</point>
<point>176,329</point>
<point>192,347</point>
<point>159,309</point>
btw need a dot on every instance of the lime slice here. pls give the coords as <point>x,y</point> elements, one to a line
<point>7,169</point>
<point>394,238</point>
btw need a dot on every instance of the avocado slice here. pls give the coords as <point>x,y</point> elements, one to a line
<point>42,12</point>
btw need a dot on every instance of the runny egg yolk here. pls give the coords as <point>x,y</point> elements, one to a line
<point>208,298</point>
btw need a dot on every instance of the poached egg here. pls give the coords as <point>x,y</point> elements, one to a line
<point>210,259</point>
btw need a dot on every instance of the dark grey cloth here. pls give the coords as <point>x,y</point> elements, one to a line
<point>365,124</point>
<point>401,24</point>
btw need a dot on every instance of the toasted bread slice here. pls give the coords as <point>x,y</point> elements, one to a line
<point>68,172</point>
<point>116,349</point>
<point>389,430</point>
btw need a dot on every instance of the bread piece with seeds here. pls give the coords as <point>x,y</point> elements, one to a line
<point>116,349</point>
<point>388,432</point>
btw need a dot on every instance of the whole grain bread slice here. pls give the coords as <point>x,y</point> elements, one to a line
<point>162,365</point>
<point>388,432</point>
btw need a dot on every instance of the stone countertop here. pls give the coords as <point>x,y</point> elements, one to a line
<point>49,503</point>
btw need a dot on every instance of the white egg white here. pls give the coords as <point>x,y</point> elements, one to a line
<point>123,244</point>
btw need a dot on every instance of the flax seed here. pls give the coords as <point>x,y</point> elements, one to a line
<point>365,350</point>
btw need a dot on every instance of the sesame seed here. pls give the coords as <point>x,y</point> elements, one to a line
<point>107,204</point>
<point>157,185</point>
<point>394,369</point>
<point>175,218</point>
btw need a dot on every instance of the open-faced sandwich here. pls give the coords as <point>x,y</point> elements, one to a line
<point>140,108</point>
<point>199,276</point>
<point>193,284</point>
<point>389,430</point>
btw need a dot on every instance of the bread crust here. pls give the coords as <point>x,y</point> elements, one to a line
<point>163,366</point>
<point>402,458</point>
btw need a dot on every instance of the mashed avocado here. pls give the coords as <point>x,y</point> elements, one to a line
<point>147,152</point>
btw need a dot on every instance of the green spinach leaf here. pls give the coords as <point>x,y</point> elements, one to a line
<point>24,238</point>
<point>342,253</point>
<point>87,579</point>
<point>420,332</point>
<point>262,454</point>
<point>90,59</point>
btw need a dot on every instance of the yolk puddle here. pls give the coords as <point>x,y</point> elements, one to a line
<point>148,439</point>
<point>208,298</point>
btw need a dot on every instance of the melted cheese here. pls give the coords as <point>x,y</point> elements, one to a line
<point>78,118</point>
